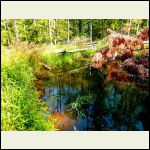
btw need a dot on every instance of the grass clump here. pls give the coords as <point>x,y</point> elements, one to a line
<point>80,105</point>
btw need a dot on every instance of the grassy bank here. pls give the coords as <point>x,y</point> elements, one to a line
<point>21,109</point>
<point>67,61</point>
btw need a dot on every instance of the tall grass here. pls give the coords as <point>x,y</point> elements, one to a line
<point>21,109</point>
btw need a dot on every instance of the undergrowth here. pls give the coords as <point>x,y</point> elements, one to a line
<point>21,109</point>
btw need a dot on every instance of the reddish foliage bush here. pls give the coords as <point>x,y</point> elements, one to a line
<point>118,42</point>
<point>97,57</point>
<point>134,69</point>
<point>124,43</point>
<point>144,61</point>
<point>144,35</point>
<point>104,51</point>
<point>97,65</point>
<point>135,43</point>
<point>126,54</point>
<point>137,66</point>
<point>114,72</point>
<point>143,72</point>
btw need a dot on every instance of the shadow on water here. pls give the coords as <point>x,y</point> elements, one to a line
<point>88,100</point>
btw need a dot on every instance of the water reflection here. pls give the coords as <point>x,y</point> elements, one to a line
<point>88,101</point>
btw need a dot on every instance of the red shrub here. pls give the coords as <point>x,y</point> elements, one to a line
<point>137,66</point>
<point>126,54</point>
<point>144,35</point>
<point>97,57</point>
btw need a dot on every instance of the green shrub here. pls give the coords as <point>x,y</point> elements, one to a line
<point>88,53</point>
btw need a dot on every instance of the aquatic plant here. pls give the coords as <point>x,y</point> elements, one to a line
<point>78,105</point>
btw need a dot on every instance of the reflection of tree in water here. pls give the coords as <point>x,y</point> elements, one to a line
<point>145,113</point>
<point>120,109</point>
<point>133,103</point>
<point>98,109</point>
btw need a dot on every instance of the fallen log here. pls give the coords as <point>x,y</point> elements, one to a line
<point>77,69</point>
<point>69,51</point>
<point>45,66</point>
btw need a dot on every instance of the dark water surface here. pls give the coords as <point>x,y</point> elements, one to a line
<point>86,101</point>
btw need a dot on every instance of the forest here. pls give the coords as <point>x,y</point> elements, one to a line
<point>75,74</point>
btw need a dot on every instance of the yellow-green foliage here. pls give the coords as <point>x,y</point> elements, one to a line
<point>21,109</point>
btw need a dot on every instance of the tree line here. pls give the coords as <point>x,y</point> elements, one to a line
<point>59,31</point>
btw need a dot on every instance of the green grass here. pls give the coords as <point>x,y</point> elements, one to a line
<point>66,61</point>
<point>21,109</point>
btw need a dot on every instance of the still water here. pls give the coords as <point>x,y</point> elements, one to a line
<point>85,100</point>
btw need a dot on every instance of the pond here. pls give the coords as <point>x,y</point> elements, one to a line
<point>87,100</point>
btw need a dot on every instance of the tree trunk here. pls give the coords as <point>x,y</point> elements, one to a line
<point>77,28</point>
<point>25,32</point>
<point>6,28</point>
<point>16,30</point>
<point>91,31</point>
<point>55,31</point>
<point>50,32</point>
<point>130,22</point>
<point>138,27</point>
<point>68,29</point>
<point>34,21</point>
<point>82,27</point>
